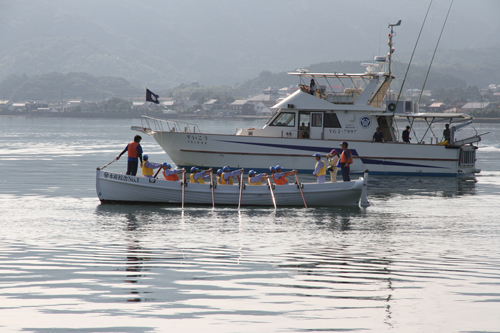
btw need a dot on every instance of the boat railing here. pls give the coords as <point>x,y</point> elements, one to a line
<point>342,97</point>
<point>168,125</point>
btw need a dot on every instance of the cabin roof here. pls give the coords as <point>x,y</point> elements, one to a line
<point>339,75</point>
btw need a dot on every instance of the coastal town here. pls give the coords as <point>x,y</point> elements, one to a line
<point>485,105</point>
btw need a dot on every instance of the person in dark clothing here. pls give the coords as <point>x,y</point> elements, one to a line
<point>378,136</point>
<point>345,162</point>
<point>446,133</point>
<point>406,135</point>
<point>312,87</point>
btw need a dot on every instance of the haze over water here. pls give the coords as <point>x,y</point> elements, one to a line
<point>425,257</point>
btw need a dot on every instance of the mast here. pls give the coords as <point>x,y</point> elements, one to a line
<point>391,45</point>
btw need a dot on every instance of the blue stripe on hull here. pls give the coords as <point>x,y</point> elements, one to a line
<point>368,161</point>
<point>294,147</point>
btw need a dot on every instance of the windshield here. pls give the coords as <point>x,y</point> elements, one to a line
<point>284,119</point>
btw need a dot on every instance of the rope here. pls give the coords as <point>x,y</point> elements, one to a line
<point>409,63</point>
<point>442,29</point>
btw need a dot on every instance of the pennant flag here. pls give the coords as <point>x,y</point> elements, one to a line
<point>152,97</point>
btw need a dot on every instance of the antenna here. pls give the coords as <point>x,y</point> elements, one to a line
<point>391,47</point>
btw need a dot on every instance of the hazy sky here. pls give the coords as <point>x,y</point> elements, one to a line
<point>226,41</point>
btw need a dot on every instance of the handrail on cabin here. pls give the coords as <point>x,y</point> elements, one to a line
<point>168,125</point>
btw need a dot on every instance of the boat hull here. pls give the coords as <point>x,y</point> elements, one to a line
<point>258,153</point>
<point>115,187</point>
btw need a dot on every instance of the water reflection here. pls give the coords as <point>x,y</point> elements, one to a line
<point>387,187</point>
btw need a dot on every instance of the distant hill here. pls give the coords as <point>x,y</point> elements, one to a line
<point>161,44</point>
<point>56,87</point>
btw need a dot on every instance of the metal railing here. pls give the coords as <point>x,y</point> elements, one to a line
<point>168,125</point>
<point>467,157</point>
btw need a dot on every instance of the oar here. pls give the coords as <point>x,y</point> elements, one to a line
<point>241,187</point>
<point>157,172</point>
<point>272,193</point>
<point>212,185</point>
<point>109,163</point>
<point>299,185</point>
<point>183,185</point>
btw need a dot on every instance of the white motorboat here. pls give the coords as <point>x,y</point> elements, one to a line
<point>117,187</point>
<point>350,114</point>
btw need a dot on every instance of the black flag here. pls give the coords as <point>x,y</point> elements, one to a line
<point>152,97</point>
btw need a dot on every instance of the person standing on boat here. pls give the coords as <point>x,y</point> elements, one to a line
<point>333,160</point>
<point>279,176</point>
<point>227,175</point>
<point>134,154</point>
<point>254,179</point>
<point>147,167</point>
<point>199,176</point>
<point>378,136</point>
<point>319,169</point>
<point>447,133</point>
<point>312,87</point>
<point>169,174</point>
<point>345,161</point>
<point>406,135</point>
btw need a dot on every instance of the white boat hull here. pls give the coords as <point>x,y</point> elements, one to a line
<point>258,153</point>
<point>114,187</point>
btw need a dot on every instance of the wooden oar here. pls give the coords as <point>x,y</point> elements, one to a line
<point>300,188</point>
<point>272,193</point>
<point>212,185</point>
<point>241,187</point>
<point>109,163</point>
<point>183,186</point>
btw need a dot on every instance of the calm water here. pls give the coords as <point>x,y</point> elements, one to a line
<point>425,257</point>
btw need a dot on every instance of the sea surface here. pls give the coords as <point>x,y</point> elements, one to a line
<point>424,257</point>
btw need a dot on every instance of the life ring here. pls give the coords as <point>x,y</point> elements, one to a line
<point>391,107</point>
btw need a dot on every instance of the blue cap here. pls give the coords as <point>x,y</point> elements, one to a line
<point>145,157</point>
<point>166,164</point>
<point>317,155</point>
<point>193,169</point>
<point>219,171</point>
<point>251,172</point>
<point>226,168</point>
<point>278,167</point>
<point>272,168</point>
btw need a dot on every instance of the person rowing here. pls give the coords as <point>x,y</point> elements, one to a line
<point>147,167</point>
<point>227,175</point>
<point>169,174</point>
<point>219,176</point>
<point>256,179</point>
<point>198,176</point>
<point>279,176</point>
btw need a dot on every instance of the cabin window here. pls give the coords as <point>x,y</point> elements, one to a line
<point>317,120</point>
<point>284,119</point>
<point>331,121</point>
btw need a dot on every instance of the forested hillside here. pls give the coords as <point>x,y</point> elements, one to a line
<point>162,44</point>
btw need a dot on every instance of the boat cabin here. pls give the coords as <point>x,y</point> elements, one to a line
<point>350,110</point>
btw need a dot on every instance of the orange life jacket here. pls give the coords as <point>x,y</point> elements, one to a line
<point>132,149</point>
<point>344,159</point>
<point>173,177</point>
<point>280,181</point>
